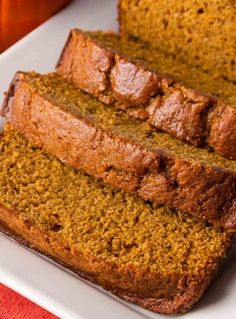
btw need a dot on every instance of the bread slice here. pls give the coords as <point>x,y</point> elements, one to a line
<point>160,259</point>
<point>125,152</point>
<point>201,33</point>
<point>191,106</point>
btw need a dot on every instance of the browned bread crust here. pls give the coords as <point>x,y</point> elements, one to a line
<point>188,114</point>
<point>120,283</point>
<point>206,190</point>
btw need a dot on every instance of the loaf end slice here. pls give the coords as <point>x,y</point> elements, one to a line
<point>125,152</point>
<point>149,85</point>
<point>160,259</point>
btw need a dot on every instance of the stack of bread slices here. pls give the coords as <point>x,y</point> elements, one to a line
<point>121,164</point>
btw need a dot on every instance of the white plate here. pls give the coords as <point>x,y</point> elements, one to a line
<point>36,277</point>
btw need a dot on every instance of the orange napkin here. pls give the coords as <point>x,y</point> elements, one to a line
<point>14,306</point>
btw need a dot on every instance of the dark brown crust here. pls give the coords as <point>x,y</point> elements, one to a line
<point>207,191</point>
<point>186,113</point>
<point>125,283</point>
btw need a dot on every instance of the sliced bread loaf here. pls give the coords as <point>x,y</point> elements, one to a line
<point>149,85</point>
<point>160,259</point>
<point>201,33</point>
<point>123,151</point>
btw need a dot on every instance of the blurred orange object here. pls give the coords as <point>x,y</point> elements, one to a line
<point>18,17</point>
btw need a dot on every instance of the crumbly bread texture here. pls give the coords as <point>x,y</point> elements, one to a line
<point>198,32</point>
<point>160,259</point>
<point>175,98</point>
<point>123,151</point>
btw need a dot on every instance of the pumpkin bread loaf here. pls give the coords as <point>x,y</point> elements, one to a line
<point>175,98</point>
<point>198,32</point>
<point>125,152</point>
<point>160,259</point>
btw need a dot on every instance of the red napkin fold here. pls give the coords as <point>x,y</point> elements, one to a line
<point>15,306</point>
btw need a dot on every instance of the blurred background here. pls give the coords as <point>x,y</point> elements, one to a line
<point>19,17</point>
